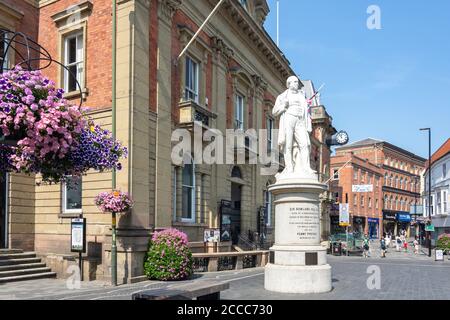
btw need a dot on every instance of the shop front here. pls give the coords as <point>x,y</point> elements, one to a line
<point>374,228</point>
<point>404,223</point>
<point>418,227</point>
<point>359,225</point>
<point>389,223</point>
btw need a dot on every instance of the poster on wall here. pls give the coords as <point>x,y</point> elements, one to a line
<point>211,235</point>
<point>78,235</point>
<point>225,228</point>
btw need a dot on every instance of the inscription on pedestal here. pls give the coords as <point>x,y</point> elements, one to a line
<point>299,223</point>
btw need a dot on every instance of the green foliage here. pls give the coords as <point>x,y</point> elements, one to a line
<point>443,242</point>
<point>169,257</point>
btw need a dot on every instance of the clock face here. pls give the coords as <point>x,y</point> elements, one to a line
<point>342,137</point>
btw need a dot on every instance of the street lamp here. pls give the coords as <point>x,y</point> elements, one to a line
<point>429,186</point>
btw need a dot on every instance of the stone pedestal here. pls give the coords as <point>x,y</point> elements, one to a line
<point>298,262</point>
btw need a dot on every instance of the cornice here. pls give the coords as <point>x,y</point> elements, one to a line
<point>258,37</point>
<point>14,13</point>
<point>81,8</point>
<point>167,8</point>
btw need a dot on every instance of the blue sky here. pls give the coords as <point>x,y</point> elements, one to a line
<point>384,84</point>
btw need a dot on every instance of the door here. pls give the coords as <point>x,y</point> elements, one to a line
<point>3,213</point>
<point>236,191</point>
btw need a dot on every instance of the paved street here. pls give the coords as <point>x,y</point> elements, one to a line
<point>403,276</point>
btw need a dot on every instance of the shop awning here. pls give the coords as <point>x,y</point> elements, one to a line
<point>403,217</point>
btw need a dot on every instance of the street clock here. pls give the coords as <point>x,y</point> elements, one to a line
<point>339,139</point>
<point>342,138</point>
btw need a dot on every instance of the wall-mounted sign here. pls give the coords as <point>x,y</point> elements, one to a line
<point>362,188</point>
<point>344,215</point>
<point>389,216</point>
<point>78,235</point>
<point>211,235</point>
<point>429,228</point>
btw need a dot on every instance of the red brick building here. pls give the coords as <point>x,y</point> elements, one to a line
<point>365,206</point>
<point>400,171</point>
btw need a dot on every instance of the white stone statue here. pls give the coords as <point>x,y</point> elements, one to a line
<point>295,125</point>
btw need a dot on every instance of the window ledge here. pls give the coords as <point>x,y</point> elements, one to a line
<point>190,224</point>
<point>70,215</point>
<point>76,94</point>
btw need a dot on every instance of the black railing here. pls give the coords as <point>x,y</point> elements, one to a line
<point>249,261</point>
<point>200,264</point>
<point>226,263</point>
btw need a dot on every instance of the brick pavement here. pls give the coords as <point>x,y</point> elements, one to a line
<point>403,276</point>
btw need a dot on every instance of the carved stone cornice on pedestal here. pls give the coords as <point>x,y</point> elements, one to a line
<point>167,8</point>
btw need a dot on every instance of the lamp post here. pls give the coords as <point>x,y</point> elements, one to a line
<point>429,186</point>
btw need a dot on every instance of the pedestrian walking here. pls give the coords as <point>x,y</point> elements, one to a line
<point>366,247</point>
<point>405,245</point>
<point>398,243</point>
<point>383,248</point>
<point>416,246</point>
<point>387,241</point>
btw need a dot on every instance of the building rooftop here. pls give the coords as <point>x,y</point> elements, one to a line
<point>441,152</point>
<point>372,141</point>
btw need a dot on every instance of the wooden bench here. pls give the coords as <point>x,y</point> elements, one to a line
<point>201,290</point>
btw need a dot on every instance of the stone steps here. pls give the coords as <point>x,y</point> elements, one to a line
<point>22,255</point>
<point>19,261</point>
<point>21,272</point>
<point>7,251</point>
<point>17,265</point>
<point>22,266</point>
<point>29,277</point>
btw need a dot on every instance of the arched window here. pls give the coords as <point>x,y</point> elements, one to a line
<point>386,202</point>
<point>236,173</point>
<point>386,177</point>
<point>391,202</point>
<point>401,183</point>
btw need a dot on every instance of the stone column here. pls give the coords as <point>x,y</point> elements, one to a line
<point>133,129</point>
<point>298,261</point>
<point>166,9</point>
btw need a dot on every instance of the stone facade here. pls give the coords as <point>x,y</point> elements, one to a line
<point>234,56</point>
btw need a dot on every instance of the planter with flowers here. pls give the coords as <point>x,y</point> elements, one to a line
<point>169,257</point>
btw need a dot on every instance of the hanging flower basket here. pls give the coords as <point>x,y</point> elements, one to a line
<point>54,137</point>
<point>114,201</point>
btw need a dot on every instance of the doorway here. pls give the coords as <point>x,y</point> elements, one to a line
<point>236,195</point>
<point>3,211</point>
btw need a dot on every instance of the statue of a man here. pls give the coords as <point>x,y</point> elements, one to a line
<point>295,125</point>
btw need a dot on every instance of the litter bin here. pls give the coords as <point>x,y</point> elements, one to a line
<point>337,249</point>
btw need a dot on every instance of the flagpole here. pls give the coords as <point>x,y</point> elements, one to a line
<point>278,23</point>
<point>201,28</point>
